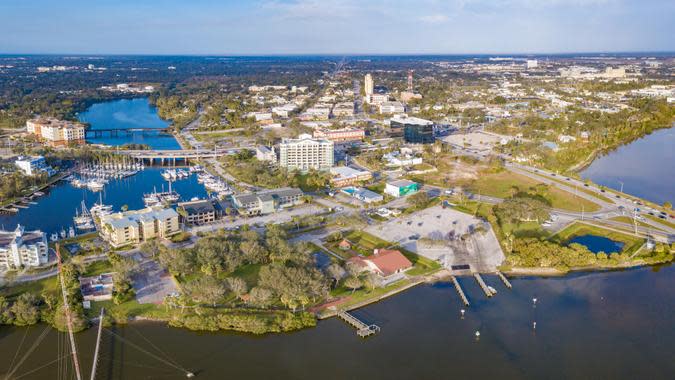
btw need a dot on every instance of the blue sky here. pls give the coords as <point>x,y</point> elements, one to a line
<point>335,26</point>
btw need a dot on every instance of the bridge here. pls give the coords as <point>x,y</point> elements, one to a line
<point>123,131</point>
<point>171,157</point>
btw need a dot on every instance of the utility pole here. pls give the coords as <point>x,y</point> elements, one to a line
<point>69,321</point>
<point>98,344</point>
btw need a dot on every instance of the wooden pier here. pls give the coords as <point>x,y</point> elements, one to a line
<point>460,291</point>
<point>504,279</point>
<point>363,330</point>
<point>482,284</point>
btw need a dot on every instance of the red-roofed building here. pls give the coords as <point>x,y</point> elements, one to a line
<point>389,264</point>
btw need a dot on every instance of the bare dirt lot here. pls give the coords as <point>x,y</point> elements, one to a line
<point>444,235</point>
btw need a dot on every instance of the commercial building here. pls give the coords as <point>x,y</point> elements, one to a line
<point>340,135</point>
<point>34,165</point>
<point>263,153</point>
<point>376,98</point>
<point>532,64</point>
<point>391,107</point>
<point>266,202</point>
<point>401,188</point>
<point>368,84</point>
<point>344,109</point>
<point>344,176</point>
<point>415,130</point>
<point>56,132</point>
<point>21,248</point>
<point>198,212</point>
<point>306,153</point>
<point>133,227</point>
<point>388,265</point>
<point>362,194</point>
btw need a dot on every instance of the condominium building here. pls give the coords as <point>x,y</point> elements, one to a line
<point>56,132</point>
<point>135,226</point>
<point>21,248</point>
<point>306,153</point>
<point>266,202</point>
<point>198,212</point>
<point>368,84</point>
<point>34,165</point>
<point>338,135</point>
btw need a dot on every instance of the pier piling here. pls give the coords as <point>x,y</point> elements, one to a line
<point>460,291</point>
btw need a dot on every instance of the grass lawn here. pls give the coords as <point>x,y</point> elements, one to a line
<point>629,220</point>
<point>97,267</point>
<point>631,243</point>
<point>248,273</point>
<point>364,293</point>
<point>659,220</point>
<point>500,185</point>
<point>36,287</point>
<point>127,310</point>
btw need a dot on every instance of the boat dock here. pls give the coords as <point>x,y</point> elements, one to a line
<point>482,284</point>
<point>504,279</point>
<point>460,291</point>
<point>363,330</point>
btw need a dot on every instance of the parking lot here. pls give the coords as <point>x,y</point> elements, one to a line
<point>152,283</point>
<point>446,237</point>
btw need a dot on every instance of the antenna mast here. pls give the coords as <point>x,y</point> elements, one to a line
<point>69,321</point>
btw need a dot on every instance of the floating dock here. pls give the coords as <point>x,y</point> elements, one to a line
<point>460,291</point>
<point>482,284</point>
<point>363,330</point>
<point>504,279</point>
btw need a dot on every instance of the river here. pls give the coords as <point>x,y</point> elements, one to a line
<point>128,114</point>
<point>645,166</point>
<point>616,325</point>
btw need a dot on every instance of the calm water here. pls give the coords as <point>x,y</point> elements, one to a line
<point>55,210</point>
<point>128,114</point>
<point>616,325</point>
<point>598,244</point>
<point>646,167</point>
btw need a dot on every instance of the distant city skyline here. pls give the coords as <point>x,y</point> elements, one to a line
<point>378,27</point>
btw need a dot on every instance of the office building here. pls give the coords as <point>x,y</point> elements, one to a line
<point>21,248</point>
<point>266,202</point>
<point>391,107</point>
<point>56,132</point>
<point>340,135</point>
<point>131,227</point>
<point>306,153</point>
<point>401,188</point>
<point>414,129</point>
<point>344,176</point>
<point>263,153</point>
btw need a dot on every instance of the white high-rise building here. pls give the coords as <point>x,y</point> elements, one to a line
<point>368,84</point>
<point>532,64</point>
<point>306,153</point>
<point>20,248</point>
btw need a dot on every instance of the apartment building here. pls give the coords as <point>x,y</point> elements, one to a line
<point>56,132</point>
<point>131,227</point>
<point>198,212</point>
<point>306,153</point>
<point>266,202</point>
<point>368,84</point>
<point>21,248</point>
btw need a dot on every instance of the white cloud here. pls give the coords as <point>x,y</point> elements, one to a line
<point>434,19</point>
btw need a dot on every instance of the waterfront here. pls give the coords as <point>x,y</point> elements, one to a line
<point>128,114</point>
<point>56,208</point>
<point>645,167</point>
<point>614,325</point>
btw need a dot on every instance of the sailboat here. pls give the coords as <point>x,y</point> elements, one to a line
<point>83,221</point>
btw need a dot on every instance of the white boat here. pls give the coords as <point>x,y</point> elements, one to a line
<point>54,237</point>
<point>63,233</point>
<point>493,290</point>
<point>71,232</point>
<point>95,185</point>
